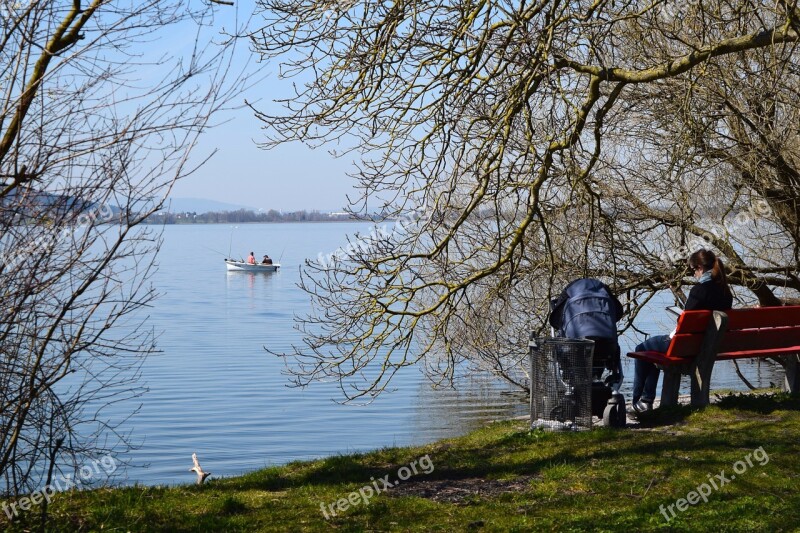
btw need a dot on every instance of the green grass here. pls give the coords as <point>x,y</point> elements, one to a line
<point>499,478</point>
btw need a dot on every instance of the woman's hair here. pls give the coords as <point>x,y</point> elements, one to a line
<point>706,260</point>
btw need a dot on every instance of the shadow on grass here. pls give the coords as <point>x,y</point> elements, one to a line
<point>757,403</point>
<point>665,416</point>
<point>526,453</point>
<point>760,403</point>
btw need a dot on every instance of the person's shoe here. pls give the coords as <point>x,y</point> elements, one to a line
<point>642,405</point>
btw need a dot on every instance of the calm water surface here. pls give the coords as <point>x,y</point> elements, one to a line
<point>214,390</point>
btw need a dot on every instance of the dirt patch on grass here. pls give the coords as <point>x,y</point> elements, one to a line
<point>459,491</point>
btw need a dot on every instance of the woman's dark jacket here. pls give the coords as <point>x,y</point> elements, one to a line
<point>710,296</point>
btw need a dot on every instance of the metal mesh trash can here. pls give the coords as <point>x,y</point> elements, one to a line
<point>561,383</point>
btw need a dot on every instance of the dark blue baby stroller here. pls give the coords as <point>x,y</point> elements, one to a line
<point>588,309</point>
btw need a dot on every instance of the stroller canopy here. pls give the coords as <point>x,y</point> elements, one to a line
<point>586,308</point>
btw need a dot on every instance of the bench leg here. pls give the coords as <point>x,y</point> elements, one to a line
<point>703,366</point>
<point>701,383</point>
<point>671,387</point>
<point>791,366</point>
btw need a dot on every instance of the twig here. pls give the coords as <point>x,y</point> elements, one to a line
<point>648,487</point>
<point>744,379</point>
<point>53,454</point>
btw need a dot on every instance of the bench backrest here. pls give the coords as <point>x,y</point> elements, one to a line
<point>749,332</point>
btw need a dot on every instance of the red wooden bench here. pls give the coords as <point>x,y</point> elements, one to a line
<point>703,337</point>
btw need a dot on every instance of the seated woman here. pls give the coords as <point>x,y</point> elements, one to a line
<point>266,260</point>
<point>711,293</point>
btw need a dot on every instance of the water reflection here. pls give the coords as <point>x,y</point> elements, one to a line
<point>445,412</point>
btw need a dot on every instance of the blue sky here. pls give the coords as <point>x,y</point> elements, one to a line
<point>291,177</point>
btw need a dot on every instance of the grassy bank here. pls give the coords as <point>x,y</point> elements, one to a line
<point>745,450</point>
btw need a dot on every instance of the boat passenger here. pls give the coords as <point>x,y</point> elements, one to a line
<point>252,259</point>
<point>266,261</point>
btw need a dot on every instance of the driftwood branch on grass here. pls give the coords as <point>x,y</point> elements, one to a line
<point>201,476</point>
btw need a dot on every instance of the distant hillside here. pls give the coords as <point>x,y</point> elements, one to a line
<point>23,204</point>
<point>200,205</point>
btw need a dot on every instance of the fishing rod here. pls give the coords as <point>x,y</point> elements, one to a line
<point>230,241</point>
<point>215,251</point>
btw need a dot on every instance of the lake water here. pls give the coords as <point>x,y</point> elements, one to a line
<point>214,389</point>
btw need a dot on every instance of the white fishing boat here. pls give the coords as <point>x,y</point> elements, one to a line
<point>243,266</point>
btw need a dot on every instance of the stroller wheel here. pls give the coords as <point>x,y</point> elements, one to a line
<point>622,414</point>
<point>614,415</point>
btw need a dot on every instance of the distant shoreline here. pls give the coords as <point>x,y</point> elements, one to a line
<point>193,223</point>
<point>244,216</point>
